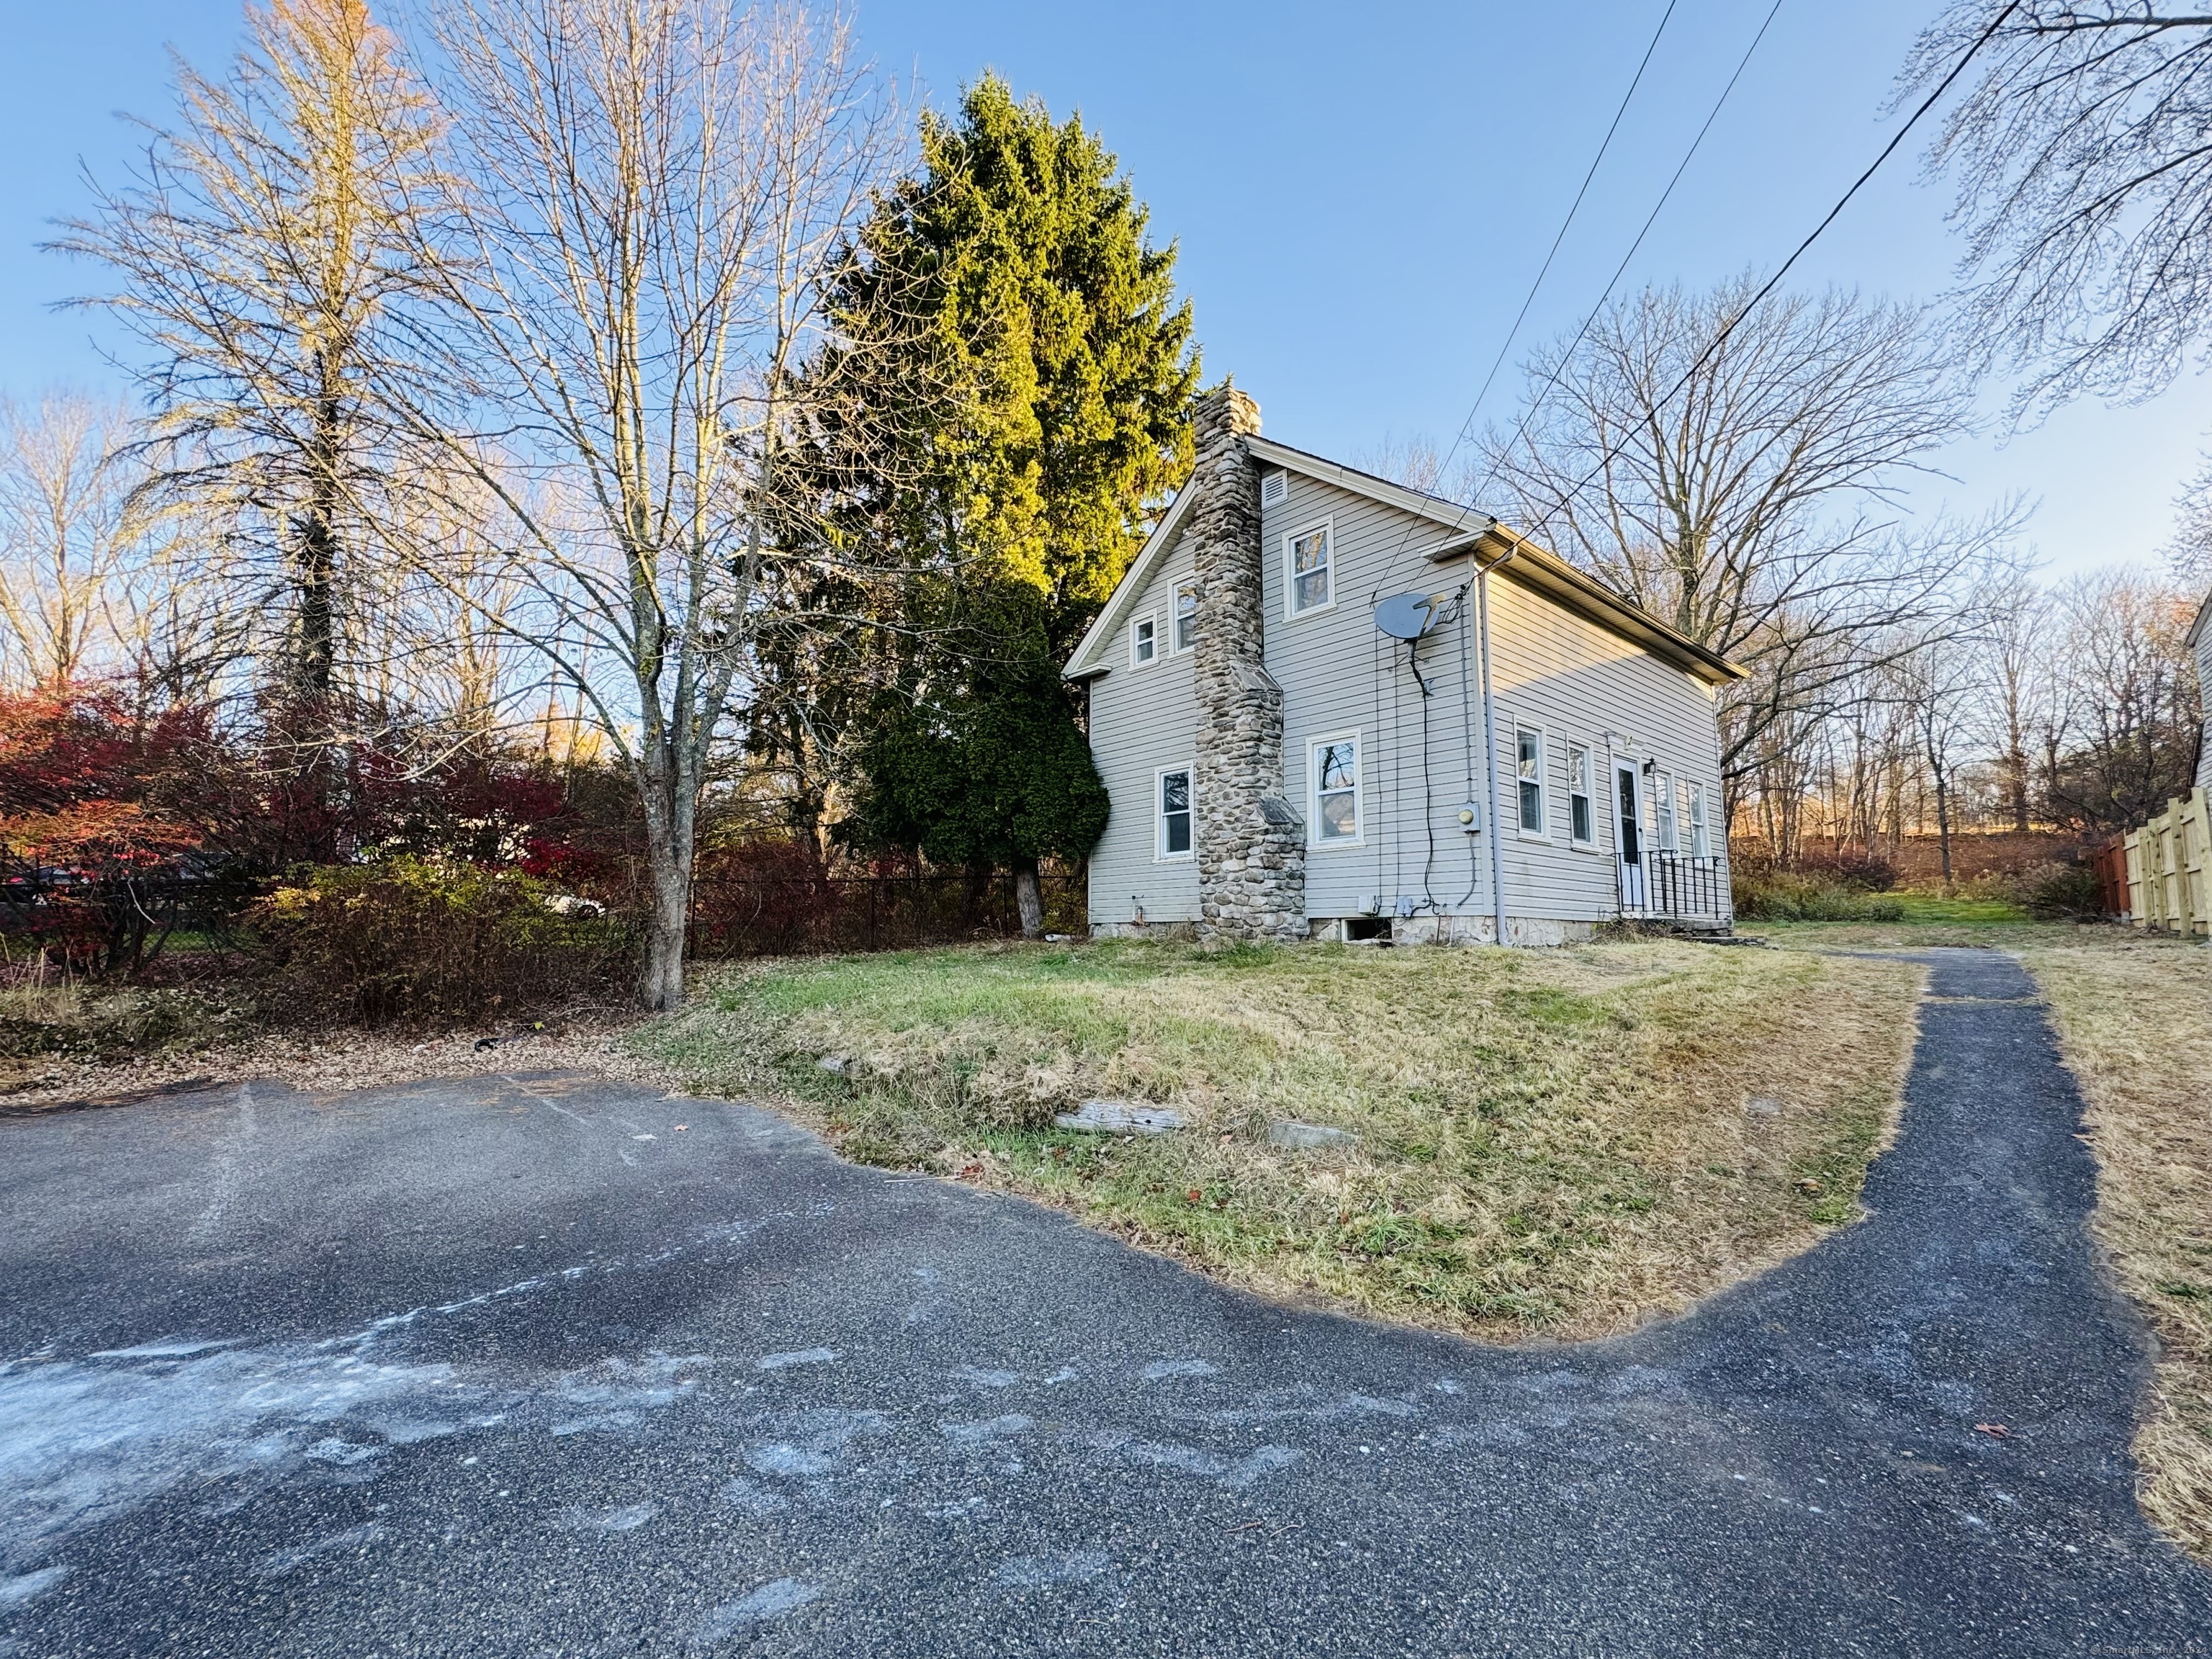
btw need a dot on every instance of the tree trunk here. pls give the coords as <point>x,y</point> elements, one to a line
<point>667,922</point>
<point>315,669</point>
<point>1944,827</point>
<point>1028,899</point>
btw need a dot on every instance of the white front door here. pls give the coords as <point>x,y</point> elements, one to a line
<point>1628,837</point>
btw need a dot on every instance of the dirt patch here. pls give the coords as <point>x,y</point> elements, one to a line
<point>2133,1018</point>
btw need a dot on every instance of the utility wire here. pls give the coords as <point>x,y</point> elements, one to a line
<point>1649,219</point>
<point>1590,317</point>
<point>1720,339</point>
<point>1505,345</point>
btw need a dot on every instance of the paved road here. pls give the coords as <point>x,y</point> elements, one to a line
<point>549,1366</point>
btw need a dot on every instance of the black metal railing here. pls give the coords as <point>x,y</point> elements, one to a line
<point>1672,887</point>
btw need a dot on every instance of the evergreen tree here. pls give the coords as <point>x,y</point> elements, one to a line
<point>1037,411</point>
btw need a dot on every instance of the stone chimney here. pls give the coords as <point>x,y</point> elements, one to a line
<point>1251,843</point>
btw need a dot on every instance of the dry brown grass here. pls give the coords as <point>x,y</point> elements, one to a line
<point>328,1061</point>
<point>1559,1143</point>
<point>2133,1018</point>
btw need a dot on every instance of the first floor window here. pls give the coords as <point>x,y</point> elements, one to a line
<point>1662,800</point>
<point>1335,771</point>
<point>1530,767</point>
<point>1578,793</point>
<point>1143,640</point>
<point>1310,570</point>
<point>1700,846</point>
<point>1186,616</point>
<point>1175,814</point>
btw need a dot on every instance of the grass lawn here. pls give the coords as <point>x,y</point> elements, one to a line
<point>1930,920</point>
<point>2134,1017</point>
<point>1561,1143</point>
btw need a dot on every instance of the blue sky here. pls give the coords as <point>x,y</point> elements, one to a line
<point>1361,195</point>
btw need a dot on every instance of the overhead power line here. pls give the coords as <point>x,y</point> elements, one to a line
<point>1505,345</point>
<point>1729,328</point>
<point>1649,219</point>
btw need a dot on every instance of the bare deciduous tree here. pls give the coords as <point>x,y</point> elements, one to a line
<point>653,198</point>
<point>257,246</point>
<point>1741,491</point>
<point>70,532</point>
<point>2084,174</point>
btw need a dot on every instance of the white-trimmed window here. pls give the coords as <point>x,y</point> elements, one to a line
<point>1581,818</point>
<point>1701,845</point>
<point>1145,639</point>
<point>1529,773</point>
<point>1310,569</point>
<point>1663,798</point>
<point>1334,810</point>
<point>1173,816</point>
<point>1182,630</point>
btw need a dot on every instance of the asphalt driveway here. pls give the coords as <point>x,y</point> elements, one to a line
<point>544,1365</point>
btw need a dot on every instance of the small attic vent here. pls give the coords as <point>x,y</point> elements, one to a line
<point>1274,488</point>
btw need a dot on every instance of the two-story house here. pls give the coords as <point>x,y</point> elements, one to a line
<point>1325,705</point>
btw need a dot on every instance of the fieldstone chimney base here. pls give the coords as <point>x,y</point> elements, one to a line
<point>1251,841</point>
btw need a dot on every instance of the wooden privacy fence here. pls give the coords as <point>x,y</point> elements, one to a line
<point>2170,867</point>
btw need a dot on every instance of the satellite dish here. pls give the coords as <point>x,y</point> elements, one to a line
<point>1407,615</point>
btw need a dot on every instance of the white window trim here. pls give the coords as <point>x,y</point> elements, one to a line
<point>1137,621</point>
<point>1315,744</point>
<point>1290,613</point>
<point>1700,823</point>
<point>1182,584</point>
<point>1543,782</point>
<point>1666,814</point>
<point>1588,844</point>
<point>1160,854</point>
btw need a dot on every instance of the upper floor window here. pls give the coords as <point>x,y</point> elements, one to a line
<point>1333,763</point>
<point>1310,557</point>
<point>1579,817</point>
<point>1174,821</point>
<point>1184,632</point>
<point>1143,640</point>
<point>1529,766</point>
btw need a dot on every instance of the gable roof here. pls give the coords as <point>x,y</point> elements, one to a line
<point>1461,530</point>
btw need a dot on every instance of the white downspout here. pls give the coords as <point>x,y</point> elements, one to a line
<point>1490,748</point>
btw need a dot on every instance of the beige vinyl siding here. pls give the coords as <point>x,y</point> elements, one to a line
<point>1574,681</point>
<point>1340,674</point>
<point>1143,720</point>
<point>1580,683</point>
